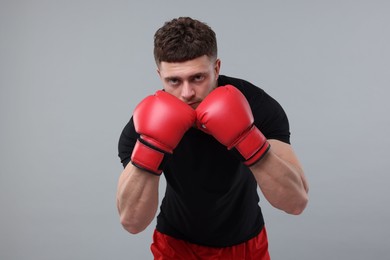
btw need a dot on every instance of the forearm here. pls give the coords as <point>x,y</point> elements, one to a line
<point>137,198</point>
<point>282,182</point>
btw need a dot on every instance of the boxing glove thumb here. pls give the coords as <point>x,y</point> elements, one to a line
<point>161,120</point>
<point>226,115</point>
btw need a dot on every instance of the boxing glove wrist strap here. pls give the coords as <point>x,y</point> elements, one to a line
<point>253,146</point>
<point>148,157</point>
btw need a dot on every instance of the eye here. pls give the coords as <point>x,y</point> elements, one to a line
<point>173,81</point>
<point>199,78</point>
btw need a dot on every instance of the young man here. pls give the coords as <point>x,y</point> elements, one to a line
<point>216,139</point>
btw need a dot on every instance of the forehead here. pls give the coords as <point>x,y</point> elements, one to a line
<point>186,68</point>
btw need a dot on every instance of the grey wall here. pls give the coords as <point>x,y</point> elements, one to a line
<point>71,73</point>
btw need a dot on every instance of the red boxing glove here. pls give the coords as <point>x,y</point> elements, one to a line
<point>226,115</point>
<point>161,120</point>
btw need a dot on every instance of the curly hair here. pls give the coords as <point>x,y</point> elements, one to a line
<point>183,39</point>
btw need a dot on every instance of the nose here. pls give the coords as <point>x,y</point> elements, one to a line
<point>187,92</point>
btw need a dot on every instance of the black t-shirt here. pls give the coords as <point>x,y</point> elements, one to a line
<point>211,197</point>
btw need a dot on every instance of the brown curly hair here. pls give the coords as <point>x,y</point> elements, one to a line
<point>183,39</point>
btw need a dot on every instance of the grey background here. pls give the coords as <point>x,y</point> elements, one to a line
<point>71,73</point>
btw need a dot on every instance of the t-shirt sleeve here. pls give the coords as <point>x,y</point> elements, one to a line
<point>127,141</point>
<point>271,118</point>
<point>269,115</point>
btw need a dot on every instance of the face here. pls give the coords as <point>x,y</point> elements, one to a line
<point>190,81</point>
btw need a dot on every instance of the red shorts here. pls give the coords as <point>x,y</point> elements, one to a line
<point>166,247</point>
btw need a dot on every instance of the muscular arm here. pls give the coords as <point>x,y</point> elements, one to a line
<point>161,120</point>
<point>281,178</point>
<point>137,198</point>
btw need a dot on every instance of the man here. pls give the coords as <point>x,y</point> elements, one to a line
<point>216,139</point>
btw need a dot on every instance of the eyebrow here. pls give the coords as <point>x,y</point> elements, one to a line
<point>172,78</point>
<point>199,74</point>
<point>191,76</point>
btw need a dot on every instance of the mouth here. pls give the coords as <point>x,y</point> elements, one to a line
<point>194,104</point>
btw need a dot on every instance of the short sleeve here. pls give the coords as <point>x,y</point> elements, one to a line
<point>127,141</point>
<point>271,118</point>
<point>268,114</point>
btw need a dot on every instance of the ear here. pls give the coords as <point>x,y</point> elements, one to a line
<point>217,67</point>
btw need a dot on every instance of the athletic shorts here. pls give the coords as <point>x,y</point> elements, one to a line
<point>165,247</point>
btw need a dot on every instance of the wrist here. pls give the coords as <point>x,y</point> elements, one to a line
<point>148,157</point>
<point>252,146</point>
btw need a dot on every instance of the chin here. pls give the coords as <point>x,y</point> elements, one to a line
<point>194,106</point>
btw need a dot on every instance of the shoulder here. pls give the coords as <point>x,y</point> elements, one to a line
<point>256,96</point>
<point>269,115</point>
<point>247,88</point>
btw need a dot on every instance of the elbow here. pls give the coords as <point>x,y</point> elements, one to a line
<point>299,206</point>
<point>135,221</point>
<point>133,227</point>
